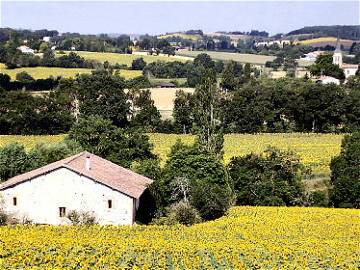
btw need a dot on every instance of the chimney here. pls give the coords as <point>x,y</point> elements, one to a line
<point>88,163</point>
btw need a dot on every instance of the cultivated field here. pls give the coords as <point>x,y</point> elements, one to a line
<point>46,72</point>
<point>225,56</point>
<point>181,35</point>
<point>315,150</point>
<point>248,238</point>
<point>125,59</point>
<point>323,41</point>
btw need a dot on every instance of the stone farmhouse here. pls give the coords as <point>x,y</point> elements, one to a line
<point>83,183</point>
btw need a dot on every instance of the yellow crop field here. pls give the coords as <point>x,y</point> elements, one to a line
<point>126,59</point>
<point>248,238</point>
<point>182,35</point>
<point>315,150</point>
<point>46,72</point>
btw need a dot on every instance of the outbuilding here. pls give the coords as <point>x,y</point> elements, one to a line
<point>83,183</point>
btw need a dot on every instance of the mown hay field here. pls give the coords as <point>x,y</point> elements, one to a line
<point>315,150</point>
<point>125,59</point>
<point>248,238</point>
<point>227,56</point>
<point>182,35</point>
<point>46,72</point>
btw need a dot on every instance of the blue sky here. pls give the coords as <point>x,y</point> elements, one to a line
<point>160,17</point>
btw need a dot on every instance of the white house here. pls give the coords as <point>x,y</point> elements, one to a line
<point>84,183</point>
<point>46,39</point>
<point>26,49</point>
<point>328,79</point>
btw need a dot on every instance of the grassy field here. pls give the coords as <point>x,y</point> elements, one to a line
<point>46,72</point>
<point>248,238</point>
<point>126,59</point>
<point>315,150</point>
<point>225,56</point>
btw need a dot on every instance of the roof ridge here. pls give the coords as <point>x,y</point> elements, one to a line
<point>71,158</point>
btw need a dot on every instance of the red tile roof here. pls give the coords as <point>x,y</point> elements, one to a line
<point>101,171</point>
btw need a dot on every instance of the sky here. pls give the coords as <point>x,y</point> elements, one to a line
<point>156,17</point>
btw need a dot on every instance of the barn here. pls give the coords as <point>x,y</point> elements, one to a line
<point>84,183</point>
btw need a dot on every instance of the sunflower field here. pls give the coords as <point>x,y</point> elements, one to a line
<point>247,238</point>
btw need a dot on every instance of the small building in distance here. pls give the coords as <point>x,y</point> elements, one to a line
<point>328,80</point>
<point>26,49</point>
<point>165,85</point>
<point>84,183</point>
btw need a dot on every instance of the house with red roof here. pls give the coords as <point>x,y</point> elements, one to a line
<point>84,183</point>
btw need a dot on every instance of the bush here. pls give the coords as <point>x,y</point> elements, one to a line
<point>179,213</point>
<point>81,218</point>
<point>319,198</point>
<point>3,218</point>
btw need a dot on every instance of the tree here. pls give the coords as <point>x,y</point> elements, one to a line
<point>101,137</point>
<point>182,112</point>
<point>231,76</point>
<point>270,179</point>
<point>169,50</point>
<point>138,64</point>
<point>101,93</point>
<point>207,116</point>
<point>24,77</point>
<point>203,178</point>
<point>14,160</point>
<point>145,115</point>
<point>345,173</point>
<point>204,60</point>
<point>324,66</point>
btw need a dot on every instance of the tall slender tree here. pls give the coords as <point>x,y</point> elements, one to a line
<point>207,117</point>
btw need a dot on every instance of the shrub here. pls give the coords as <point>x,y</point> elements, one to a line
<point>81,218</point>
<point>319,198</point>
<point>179,213</point>
<point>3,218</point>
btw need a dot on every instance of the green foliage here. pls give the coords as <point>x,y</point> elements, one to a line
<point>182,112</point>
<point>179,213</point>
<point>101,137</point>
<point>207,116</point>
<point>209,187</point>
<point>24,77</point>
<point>14,160</point>
<point>138,64</point>
<point>345,174</point>
<point>204,60</point>
<point>145,115</point>
<point>324,66</point>
<point>270,179</point>
<point>319,198</point>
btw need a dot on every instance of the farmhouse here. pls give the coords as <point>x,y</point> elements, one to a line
<point>84,183</point>
<point>328,80</point>
<point>25,49</point>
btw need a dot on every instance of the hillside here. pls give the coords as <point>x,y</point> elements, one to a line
<point>343,31</point>
<point>248,238</point>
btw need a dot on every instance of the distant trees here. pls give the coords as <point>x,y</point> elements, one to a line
<point>345,174</point>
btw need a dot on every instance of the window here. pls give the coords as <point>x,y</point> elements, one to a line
<point>15,201</point>
<point>109,203</point>
<point>62,211</point>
